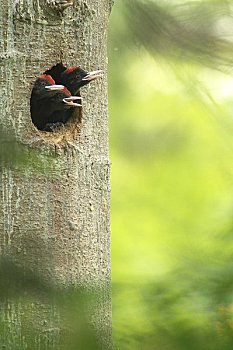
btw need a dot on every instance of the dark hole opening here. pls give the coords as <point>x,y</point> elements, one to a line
<point>55,98</point>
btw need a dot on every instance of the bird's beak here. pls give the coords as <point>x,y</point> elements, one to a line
<point>54,87</point>
<point>93,75</point>
<point>70,101</point>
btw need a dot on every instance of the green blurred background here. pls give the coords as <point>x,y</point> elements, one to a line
<point>171,150</point>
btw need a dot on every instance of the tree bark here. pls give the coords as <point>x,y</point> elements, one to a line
<point>55,222</point>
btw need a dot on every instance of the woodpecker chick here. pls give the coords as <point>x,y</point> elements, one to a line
<point>75,77</point>
<point>44,84</point>
<point>43,88</point>
<point>57,109</point>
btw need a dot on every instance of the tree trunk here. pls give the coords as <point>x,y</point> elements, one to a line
<point>55,222</point>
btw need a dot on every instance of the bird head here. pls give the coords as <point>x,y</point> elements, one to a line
<point>64,97</point>
<point>45,86</point>
<point>75,77</point>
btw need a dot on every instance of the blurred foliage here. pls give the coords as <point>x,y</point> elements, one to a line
<point>172,175</point>
<point>199,31</point>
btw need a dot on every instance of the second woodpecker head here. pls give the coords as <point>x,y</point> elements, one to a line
<point>75,77</point>
<point>62,100</point>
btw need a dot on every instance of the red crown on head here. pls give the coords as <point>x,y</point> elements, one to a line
<point>70,69</point>
<point>48,78</point>
<point>66,91</point>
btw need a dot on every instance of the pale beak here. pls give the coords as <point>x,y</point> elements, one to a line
<point>73,98</point>
<point>93,75</point>
<point>54,87</point>
<point>70,101</point>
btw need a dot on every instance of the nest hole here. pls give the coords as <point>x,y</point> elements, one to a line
<point>53,108</point>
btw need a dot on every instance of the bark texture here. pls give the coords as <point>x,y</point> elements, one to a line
<point>56,223</point>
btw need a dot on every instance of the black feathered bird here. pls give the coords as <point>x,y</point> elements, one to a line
<point>75,77</point>
<point>57,109</point>
<point>51,104</point>
<point>43,89</point>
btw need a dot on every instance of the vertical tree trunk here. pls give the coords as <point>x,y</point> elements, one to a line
<point>55,223</point>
